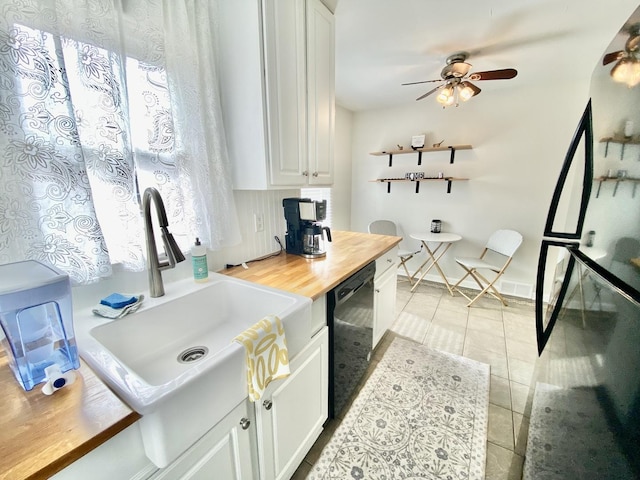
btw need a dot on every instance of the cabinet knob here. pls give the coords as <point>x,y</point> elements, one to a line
<point>315,174</point>
<point>305,173</point>
<point>377,290</point>
<point>245,423</point>
<point>267,404</point>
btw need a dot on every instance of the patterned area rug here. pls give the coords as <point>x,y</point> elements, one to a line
<point>422,414</point>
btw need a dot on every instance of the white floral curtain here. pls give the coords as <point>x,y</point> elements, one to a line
<point>99,100</point>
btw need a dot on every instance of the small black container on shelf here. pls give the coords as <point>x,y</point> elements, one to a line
<point>436,226</point>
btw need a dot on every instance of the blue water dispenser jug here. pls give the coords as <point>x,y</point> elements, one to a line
<point>36,315</point>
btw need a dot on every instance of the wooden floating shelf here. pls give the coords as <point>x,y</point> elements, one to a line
<point>617,181</point>
<point>624,141</point>
<point>423,149</point>
<point>420,151</point>
<point>630,140</point>
<point>389,181</point>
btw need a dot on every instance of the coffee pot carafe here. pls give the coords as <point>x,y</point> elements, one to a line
<point>313,240</point>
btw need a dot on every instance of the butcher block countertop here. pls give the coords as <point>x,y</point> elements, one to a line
<point>41,434</point>
<point>346,254</point>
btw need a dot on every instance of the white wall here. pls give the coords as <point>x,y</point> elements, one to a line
<point>341,189</point>
<point>255,244</point>
<point>519,140</point>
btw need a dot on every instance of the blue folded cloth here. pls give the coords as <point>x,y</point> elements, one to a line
<point>107,311</point>
<point>117,300</point>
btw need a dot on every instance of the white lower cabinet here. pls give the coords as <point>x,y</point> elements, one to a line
<point>290,417</point>
<point>224,452</point>
<point>267,440</point>
<point>384,302</point>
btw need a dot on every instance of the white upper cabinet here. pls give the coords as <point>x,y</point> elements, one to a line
<point>321,94</point>
<point>277,80</point>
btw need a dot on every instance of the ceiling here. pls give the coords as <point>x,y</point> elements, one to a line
<point>381,44</point>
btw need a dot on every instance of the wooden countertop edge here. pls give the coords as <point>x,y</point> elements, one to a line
<point>342,278</point>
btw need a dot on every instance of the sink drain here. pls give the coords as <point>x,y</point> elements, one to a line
<point>192,354</point>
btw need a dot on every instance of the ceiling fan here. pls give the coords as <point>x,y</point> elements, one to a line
<point>456,80</point>
<point>627,67</point>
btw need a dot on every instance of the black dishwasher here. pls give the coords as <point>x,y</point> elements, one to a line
<point>350,321</point>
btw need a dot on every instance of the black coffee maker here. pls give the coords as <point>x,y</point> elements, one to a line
<point>305,233</point>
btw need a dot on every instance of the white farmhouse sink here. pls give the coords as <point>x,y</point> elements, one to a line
<point>174,360</point>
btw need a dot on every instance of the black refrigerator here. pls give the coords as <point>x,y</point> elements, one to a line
<point>584,400</point>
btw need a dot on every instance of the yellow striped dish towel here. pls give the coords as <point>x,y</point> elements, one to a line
<point>266,353</point>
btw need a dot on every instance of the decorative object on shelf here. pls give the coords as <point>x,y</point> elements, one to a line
<point>436,226</point>
<point>440,175</point>
<point>622,174</point>
<point>417,141</point>
<point>591,235</point>
<point>436,145</point>
<point>455,84</point>
<point>628,129</point>
<point>627,67</point>
<point>400,147</point>
<point>413,176</point>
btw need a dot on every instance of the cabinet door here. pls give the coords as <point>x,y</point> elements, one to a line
<point>284,50</point>
<point>293,410</point>
<point>320,91</point>
<point>384,303</point>
<point>223,452</point>
<point>241,74</point>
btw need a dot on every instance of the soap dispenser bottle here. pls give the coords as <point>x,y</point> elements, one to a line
<point>199,262</point>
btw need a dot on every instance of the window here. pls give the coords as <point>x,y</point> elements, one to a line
<point>88,121</point>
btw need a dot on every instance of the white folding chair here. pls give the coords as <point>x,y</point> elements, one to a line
<point>387,227</point>
<point>625,249</point>
<point>504,243</point>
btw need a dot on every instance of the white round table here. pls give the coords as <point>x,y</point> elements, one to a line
<point>443,242</point>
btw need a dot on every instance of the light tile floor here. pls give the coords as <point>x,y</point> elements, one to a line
<point>488,332</point>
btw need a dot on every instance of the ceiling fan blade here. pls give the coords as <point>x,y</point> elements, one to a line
<point>429,92</point>
<point>423,81</point>
<point>612,57</point>
<point>503,74</point>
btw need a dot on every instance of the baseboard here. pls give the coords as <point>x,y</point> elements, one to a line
<point>507,288</point>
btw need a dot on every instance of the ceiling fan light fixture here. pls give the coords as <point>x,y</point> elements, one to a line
<point>620,70</point>
<point>445,97</point>
<point>627,71</point>
<point>465,91</point>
